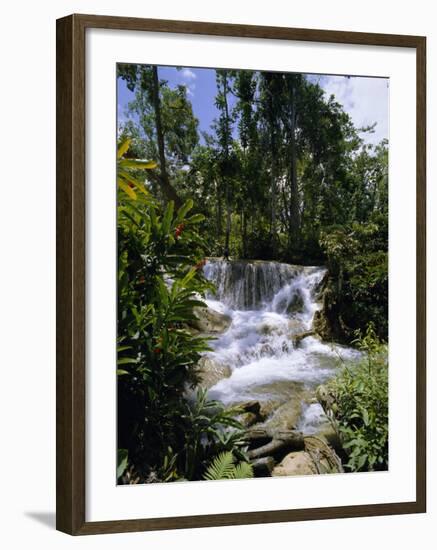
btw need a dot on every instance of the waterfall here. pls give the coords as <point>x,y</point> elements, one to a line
<point>269,303</point>
<point>249,285</point>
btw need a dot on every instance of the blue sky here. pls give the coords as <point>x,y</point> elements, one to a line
<point>364,98</point>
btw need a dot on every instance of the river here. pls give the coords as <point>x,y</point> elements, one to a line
<point>269,303</point>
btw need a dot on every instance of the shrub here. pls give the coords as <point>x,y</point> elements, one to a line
<point>161,435</point>
<point>359,406</point>
<point>357,290</point>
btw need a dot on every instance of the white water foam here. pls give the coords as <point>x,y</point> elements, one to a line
<point>259,346</point>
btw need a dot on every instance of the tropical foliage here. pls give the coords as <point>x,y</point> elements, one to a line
<point>282,174</point>
<point>359,406</point>
<point>161,432</point>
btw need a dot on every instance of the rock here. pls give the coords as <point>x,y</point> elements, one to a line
<point>324,458</point>
<point>251,407</point>
<point>330,436</point>
<point>287,415</point>
<point>211,372</point>
<point>263,467</point>
<point>297,338</point>
<point>295,325</point>
<point>247,419</point>
<point>209,320</point>
<point>295,464</point>
<point>316,458</point>
<point>266,329</point>
<point>295,304</point>
<point>274,394</point>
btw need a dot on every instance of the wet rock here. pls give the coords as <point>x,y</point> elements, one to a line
<point>251,413</point>
<point>267,329</point>
<point>297,338</point>
<point>286,416</point>
<point>295,326</point>
<point>296,304</point>
<point>209,320</point>
<point>295,464</point>
<point>247,419</point>
<point>251,407</point>
<point>274,394</point>
<point>211,372</point>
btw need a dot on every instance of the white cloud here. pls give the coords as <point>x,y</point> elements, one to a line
<point>188,74</point>
<point>365,99</point>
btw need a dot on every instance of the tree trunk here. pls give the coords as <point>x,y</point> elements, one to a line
<point>218,211</point>
<point>167,188</point>
<point>294,190</point>
<point>227,183</point>
<point>244,232</point>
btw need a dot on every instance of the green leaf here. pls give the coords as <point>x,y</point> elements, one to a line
<point>123,147</point>
<point>137,163</point>
<point>196,218</point>
<point>186,207</point>
<point>126,360</point>
<point>222,467</point>
<point>243,470</point>
<point>168,216</point>
<point>122,458</point>
<point>127,189</point>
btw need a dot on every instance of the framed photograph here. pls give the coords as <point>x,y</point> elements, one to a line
<point>240,274</point>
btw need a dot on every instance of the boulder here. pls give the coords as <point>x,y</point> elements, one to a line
<point>316,458</point>
<point>251,407</point>
<point>286,416</point>
<point>250,413</point>
<point>330,436</point>
<point>211,372</point>
<point>247,419</point>
<point>296,303</point>
<point>295,464</point>
<point>209,320</point>
<point>274,394</point>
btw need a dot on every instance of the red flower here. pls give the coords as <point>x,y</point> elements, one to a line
<point>179,230</point>
<point>157,350</point>
<point>200,264</point>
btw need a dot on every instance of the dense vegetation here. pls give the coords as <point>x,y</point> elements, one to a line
<point>357,404</point>
<point>163,435</point>
<point>283,174</point>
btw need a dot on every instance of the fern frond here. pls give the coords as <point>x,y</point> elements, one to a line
<point>243,470</point>
<point>222,467</point>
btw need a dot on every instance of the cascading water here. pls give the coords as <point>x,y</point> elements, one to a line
<point>269,304</point>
